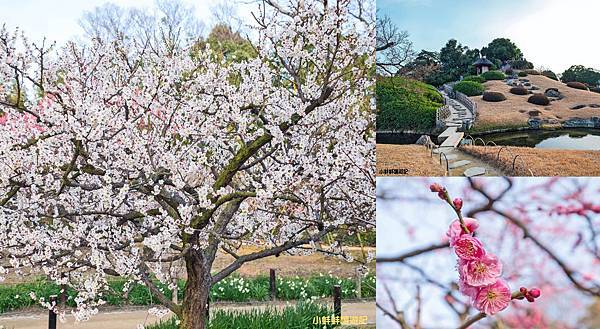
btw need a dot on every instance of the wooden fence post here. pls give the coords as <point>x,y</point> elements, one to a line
<point>208,310</point>
<point>358,282</point>
<point>273,284</point>
<point>337,301</point>
<point>52,314</point>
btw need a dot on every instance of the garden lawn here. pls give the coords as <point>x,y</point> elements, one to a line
<point>514,111</point>
<point>415,158</point>
<point>542,162</point>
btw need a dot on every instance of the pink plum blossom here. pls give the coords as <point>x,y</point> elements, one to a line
<point>468,248</point>
<point>480,272</point>
<point>493,298</point>
<point>467,289</point>
<point>455,231</point>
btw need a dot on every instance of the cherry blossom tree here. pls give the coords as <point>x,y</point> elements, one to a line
<point>132,159</point>
<point>527,238</point>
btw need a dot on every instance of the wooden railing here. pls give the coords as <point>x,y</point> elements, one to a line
<point>441,114</point>
<point>467,102</point>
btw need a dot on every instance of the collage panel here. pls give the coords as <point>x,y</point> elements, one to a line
<point>187,164</point>
<point>469,88</point>
<point>488,252</point>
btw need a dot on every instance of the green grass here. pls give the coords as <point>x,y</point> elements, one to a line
<point>405,104</point>
<point>469,88</point>
<point>479,128</point>
<point>493,75</point>
<point>233,289</point>
<point>297,317</point>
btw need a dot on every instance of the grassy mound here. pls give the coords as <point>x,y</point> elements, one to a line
<point>522,74</point>
<point>406,104</point>
<point>550,74</point>
<point>577,85</point>
<point>519,91</point>
<point>476,78</point>
<point>493,96</point>
<point>493,75</point>
<point>469,88</point>
<point>539,99</point>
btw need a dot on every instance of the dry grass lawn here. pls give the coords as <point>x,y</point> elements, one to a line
<point>541,162</point>
<point>415,158</point>
<point>514,111</point>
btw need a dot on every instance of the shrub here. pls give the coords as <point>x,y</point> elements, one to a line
<point>406,104</point>
<point>509,72</point>
<point>469,88</point>
<point>493,75</point>
<point>476,78</point>
<point>493,96</point>
<point>550,74</point>
<point>539,99</point>
<point>532,72</point>
<point>522,74</point>
<point>519,91</point>
<point>577,85</point>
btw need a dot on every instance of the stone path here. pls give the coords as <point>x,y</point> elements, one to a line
<point>459,115</point>
<point>462,164</point>
<point>459,162</point>
<point>130,318</point>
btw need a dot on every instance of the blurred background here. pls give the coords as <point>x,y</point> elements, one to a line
<point>544,230</point>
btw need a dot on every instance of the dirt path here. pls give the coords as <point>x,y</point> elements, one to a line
<point>131,318</point>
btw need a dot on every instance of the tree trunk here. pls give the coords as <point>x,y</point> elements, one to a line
<point>197,288</point>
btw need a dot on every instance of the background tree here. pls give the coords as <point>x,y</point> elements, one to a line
<point>170,25</point>
<point>502,49</point>
<point>583,74</point>
<point>137,157</point>
<point>394,48</point>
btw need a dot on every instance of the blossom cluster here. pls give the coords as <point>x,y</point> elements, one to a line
<point>479,270</point>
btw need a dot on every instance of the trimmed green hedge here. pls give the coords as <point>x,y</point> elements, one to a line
<point>522,74</point>
<point>493,96</point>
<point>577,85</point>
<point>539,99</point>
<point>476,78</point>
<point>469,88</point>
<point>519,91</point>
<point>406,104</point>
<point>493,75</point>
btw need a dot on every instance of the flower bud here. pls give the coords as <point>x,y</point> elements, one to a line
<point>457,203</point>
<point>523,290</point>
<point>529,298</point>
<point>436,187</point>
<point>535,293</point>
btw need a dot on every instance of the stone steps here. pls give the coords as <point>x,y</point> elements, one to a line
<point>474,171</point>
<point>453,140</point>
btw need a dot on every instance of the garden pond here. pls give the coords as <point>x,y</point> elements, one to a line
<point>567,139</point>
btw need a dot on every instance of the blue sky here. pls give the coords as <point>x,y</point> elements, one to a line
<point>553,34</point>
<point>58,20</point>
